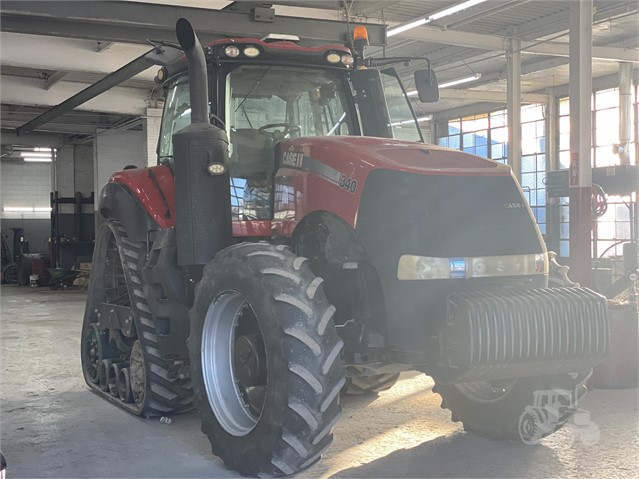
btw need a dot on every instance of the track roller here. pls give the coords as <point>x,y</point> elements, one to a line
<point>124,386</point>
<point>103,374</point>
<point>112,378</point>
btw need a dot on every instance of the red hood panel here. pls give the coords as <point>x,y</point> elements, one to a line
<point>382,153</point>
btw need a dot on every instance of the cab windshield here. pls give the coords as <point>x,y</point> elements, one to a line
<point>286,101</point>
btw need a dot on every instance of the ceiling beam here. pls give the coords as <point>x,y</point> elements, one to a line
<point>556,23</point>
<point>64,54</point>
<point>497,43</point>
<point>107,83</point>
<point>370,7</point>
<point>492,96</point>
<point>57,127</point>
<point>54,78</point>
<point>471,14</point>
<point>136,22</point>
<point>29,92</point>
<point>37,139</point>
<point>103,46</point>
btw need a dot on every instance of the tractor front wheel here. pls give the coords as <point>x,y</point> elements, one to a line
<point>525,409</point>
<point>265,360</point>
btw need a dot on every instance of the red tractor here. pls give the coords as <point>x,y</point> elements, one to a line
<point>298,240</point>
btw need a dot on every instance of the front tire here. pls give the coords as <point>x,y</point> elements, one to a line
<point>265,360</point>
<point>525,409</point>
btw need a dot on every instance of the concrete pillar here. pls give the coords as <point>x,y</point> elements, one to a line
<point>625,112</point>
<point>580,173</point>
<point>114,150</point>
<point>513,54</point>
<point>73,170</point>
<point>64,171</point>
<point>552,164</point>
<point>151,128</point>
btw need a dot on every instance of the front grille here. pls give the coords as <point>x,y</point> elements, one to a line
<point>497,335</point>
<point>444,216</point>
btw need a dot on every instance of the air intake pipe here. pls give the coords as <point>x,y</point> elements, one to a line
<point>200,151</point>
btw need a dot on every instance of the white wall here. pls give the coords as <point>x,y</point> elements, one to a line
<point>25,185</point>
<point>115,150</point>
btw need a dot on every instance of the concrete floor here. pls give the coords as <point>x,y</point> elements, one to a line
<point>52,426</point>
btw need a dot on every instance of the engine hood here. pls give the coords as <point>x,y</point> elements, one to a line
<point>351,154</point>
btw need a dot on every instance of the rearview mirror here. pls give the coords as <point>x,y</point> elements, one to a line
<point>427,86</point>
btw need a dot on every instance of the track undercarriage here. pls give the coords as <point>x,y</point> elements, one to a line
<point>120,355</point>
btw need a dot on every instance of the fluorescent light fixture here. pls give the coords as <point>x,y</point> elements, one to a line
<point>35,159</point>
<point>27,209</point>
<point>474,77</point>
<point>42,149</point>
<point>18,209</point>
<point>412,93</point>
<point>36,153</point>
<point>454,9</point>
<point>431,18</point>
<point>407,26</point>
<point>425,118</point>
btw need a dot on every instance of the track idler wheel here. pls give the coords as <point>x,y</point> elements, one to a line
<point>124,386</point>
<point>95,348</point>
<point>137,373</point>
<point>103,374</point>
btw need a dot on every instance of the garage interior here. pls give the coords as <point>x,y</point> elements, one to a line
<point>549,89</point>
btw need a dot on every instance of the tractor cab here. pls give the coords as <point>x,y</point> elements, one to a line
<point>264,91</point>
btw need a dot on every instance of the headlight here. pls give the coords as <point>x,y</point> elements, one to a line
<point>347,60</point>
<point>251,52</point>
<point>232,51</point>
<point>333,58</point>
<point>426,267</point>
<point>431,268</point>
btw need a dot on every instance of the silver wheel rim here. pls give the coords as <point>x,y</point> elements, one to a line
<point>485,392</point>
<point>221,382</point>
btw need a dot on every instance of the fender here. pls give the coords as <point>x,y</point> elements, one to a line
<point>325,235</point>
<point>142,199</point>
<point>117,202</point>
<point>351,282</point>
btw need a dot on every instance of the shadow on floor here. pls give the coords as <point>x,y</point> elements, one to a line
<point>458,455</point>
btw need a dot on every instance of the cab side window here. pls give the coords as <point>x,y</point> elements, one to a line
<point>177,115</point>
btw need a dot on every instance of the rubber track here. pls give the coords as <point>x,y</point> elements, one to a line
<point>163,395</point>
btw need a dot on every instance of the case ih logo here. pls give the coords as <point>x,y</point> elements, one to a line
<point>293,159</point>
<point>513,205</point>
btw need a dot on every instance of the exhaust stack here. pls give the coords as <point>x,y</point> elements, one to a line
<point>202,182</point>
